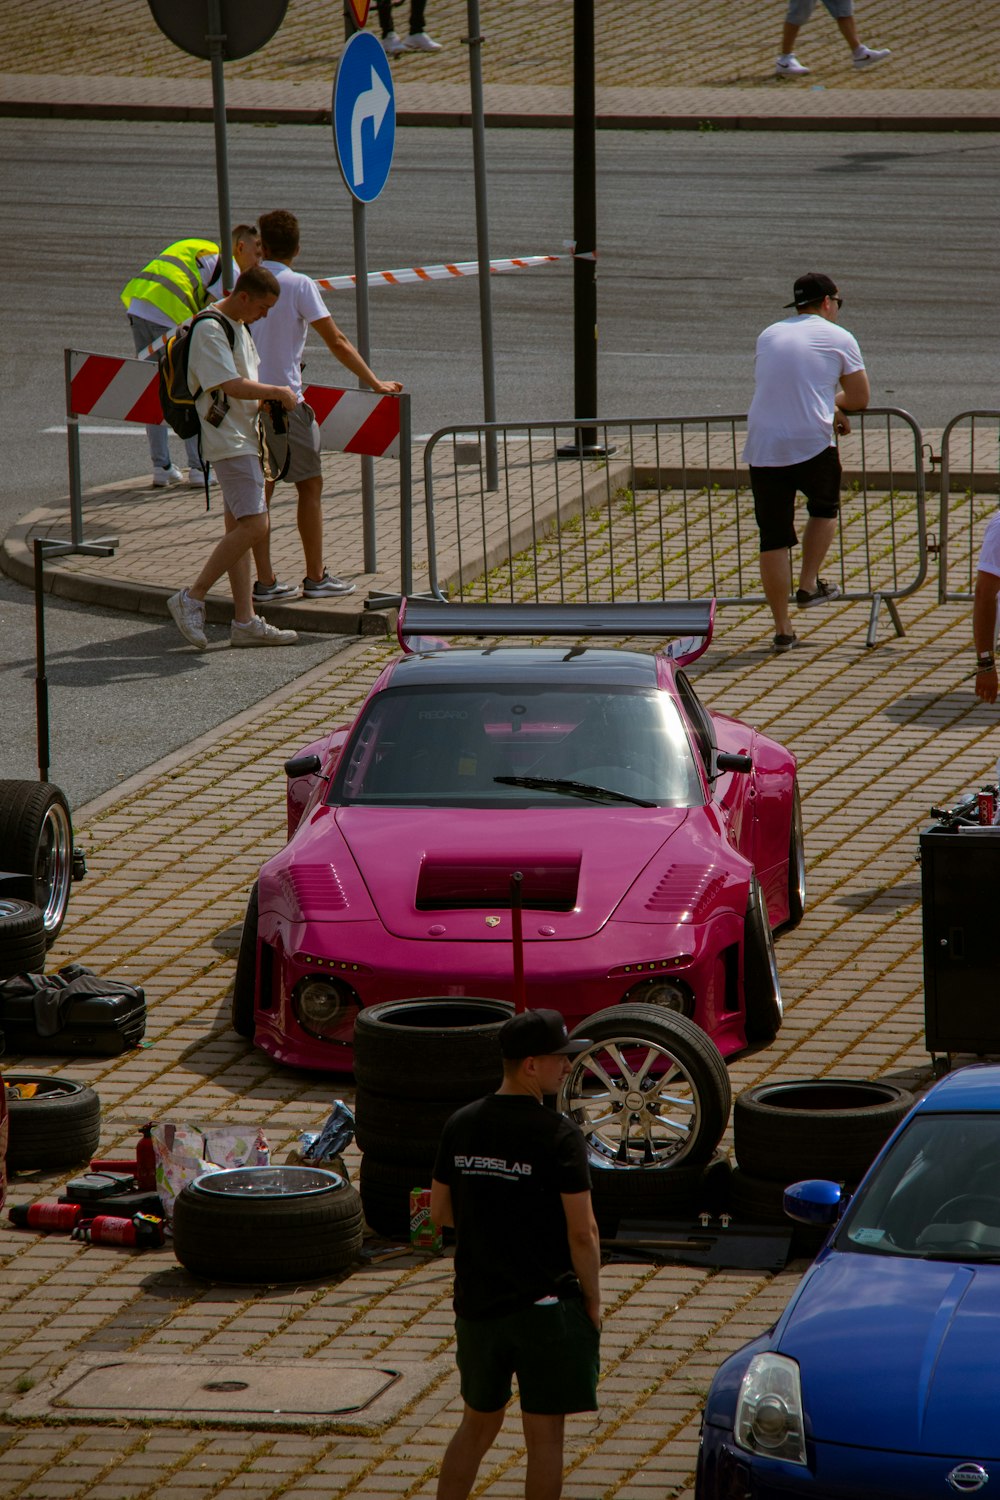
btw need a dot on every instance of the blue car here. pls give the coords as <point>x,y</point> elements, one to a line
<point>881,1379</point>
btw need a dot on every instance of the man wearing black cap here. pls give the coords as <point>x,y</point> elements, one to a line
<point>808,374</point>
<point>512,1177</point>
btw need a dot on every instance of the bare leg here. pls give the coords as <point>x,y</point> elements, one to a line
<point>262,549</point>
<point>817,539</point>
<point>310,523</point>
<point>543,1437</point>
<point>466,1452</point>
<point>776,576</point>
<point>226,556</point>
<point>788,35</point>
<point>849,31</point>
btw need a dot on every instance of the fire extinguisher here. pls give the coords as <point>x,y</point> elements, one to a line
<point>61,1217</point>
<point>145,1161</point>
<point>142,1232</point>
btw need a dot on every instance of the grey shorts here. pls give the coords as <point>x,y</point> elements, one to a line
<point>799,11</point>
<point>303,444</point>
<point>242,482</point>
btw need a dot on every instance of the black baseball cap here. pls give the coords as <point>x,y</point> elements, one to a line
<point>812,287</point>
<point>539,1033</point>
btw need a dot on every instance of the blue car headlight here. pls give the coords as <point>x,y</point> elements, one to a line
<point>769,1409</point>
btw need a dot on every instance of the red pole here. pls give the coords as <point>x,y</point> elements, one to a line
<point>517,938</point>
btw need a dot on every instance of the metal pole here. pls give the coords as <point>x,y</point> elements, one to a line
<point>517,939</point>
<point>364,347</point>
<point>475,44</point>
<point>73,454</point>
<point>41,681</point>
<point>405,498</point>
<point>215,37</point>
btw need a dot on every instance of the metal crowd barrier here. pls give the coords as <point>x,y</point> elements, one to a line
<point>656,507</point>
<point>970,493</point>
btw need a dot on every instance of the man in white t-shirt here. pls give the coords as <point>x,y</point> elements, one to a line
<point>223,370</point>
<point>280,343</point>
<point>984,612</point>
<point>808,373</point>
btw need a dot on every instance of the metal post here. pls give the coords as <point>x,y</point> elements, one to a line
<point>41,681</point>
<point>215,37</point>
<point>364,347</point>
<point>475,44</point>
<point>517,939</point>
<point>405,498</point>
<point>73,453</point>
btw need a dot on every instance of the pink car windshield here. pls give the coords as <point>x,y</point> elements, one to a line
<point>446,747</point>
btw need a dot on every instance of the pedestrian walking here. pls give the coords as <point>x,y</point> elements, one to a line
<point>228,401</point>
<point>842,11</point>
<point>512,1177</point>
<point>172,287</point>
<point>984,612</point>
<point>280,343</point>
<point>808,374</point>
<point>416,39</point>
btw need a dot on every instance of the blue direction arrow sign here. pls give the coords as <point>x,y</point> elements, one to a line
<point>364,116</point>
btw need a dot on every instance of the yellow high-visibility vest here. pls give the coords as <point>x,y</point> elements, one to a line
<point>172,282</point>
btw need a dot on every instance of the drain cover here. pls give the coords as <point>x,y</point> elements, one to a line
<point>254,1392</point>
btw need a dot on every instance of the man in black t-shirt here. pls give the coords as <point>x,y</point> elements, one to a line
<point>512,1177</point>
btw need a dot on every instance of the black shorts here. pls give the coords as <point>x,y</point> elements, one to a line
<point>774,492</point>
<point>552,1348</point>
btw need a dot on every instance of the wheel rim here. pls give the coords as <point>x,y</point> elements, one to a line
<point>268,1182</point>
<point>45,1088</point>
<point>638,1107</point>
<point>54,866</point>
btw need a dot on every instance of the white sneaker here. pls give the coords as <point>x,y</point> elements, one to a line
<point>419,41</point>
<point>788,66</point>
<point>257,632</point>
<point>189,617</point>
<point>393,44</point>
<point>197,476</point>
<point>163,477</point>
<point>866,57</point>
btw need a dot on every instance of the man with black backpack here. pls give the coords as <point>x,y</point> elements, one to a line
<point>222,371</point>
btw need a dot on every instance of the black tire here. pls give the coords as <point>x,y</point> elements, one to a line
<point>297,1224</point>
<point>755,1200</point>
<point>245,982</point>
<point>59,1127</point>
<point>22,937</point>
<point>796,866</point>
<point>385,1195</point>
<point>660,1193</point>
<point>36,836</point>
<point>693,1082</point>
<point>815,1127</point>
<point>761,985</point>
<point>436,1048</point>
<point>401,1130</point>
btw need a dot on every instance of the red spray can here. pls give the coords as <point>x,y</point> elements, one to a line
<point>47,1215</point>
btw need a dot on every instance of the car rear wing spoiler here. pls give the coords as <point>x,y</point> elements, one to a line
<point>424,625</point>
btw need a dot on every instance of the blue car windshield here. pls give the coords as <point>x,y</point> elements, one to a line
<point>936,1195</point>
<point>447,747</point>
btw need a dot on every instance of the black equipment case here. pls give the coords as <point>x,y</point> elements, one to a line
<point>74,1012</point>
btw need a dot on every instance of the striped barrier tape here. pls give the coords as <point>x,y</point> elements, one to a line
<point>350,421</point>
<point>407,276</point>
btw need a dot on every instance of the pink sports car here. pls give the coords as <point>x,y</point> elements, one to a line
<point>659,845</point>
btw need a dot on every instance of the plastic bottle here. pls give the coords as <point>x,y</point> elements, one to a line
<point>145,1161</point>
<point>47,1215</point>
<point>261,1150</point>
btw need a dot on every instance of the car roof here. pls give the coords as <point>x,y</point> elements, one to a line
<point>563,666</point>
<point>969,1089</point>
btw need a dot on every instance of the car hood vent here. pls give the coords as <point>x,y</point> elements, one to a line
<point>478,884</point>
<point>688,889</point>
<point>312,891</point>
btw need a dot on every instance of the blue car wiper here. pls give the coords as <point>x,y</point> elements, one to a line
<point>573,789</point>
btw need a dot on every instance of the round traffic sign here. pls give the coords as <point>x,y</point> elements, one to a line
<point>364,116</point>
<point>245,28</point>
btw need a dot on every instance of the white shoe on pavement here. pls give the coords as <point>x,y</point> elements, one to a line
<point>197,476</point>
<point>788,66</point>
<point>326,587</point>
<point>393,44</point>
<point>163,477</point>
<point>866,57</point>
<point>257,632</point>
<point>271,593</point>
<point>189,617</point>
<point>419,41</point>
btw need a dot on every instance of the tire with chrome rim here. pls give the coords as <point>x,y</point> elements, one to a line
<point>36,836</point>
<point>650,1093</point>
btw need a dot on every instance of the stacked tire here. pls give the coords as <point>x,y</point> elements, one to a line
<point>415,1063</point>
<point>52,1122</point>
<point>805,1128</point>
<point>22,937</point>
<point>36,836</point>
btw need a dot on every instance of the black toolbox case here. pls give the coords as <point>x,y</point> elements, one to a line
<point>95,1025</point>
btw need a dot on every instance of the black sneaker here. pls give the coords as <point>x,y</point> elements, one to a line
<point>262,592</point>
<point>326,587</point>
<point>786,642</point>
<point>824,592</point>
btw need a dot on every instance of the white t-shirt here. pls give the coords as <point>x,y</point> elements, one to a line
<point>212,362</point>
<point>281,336</point>
<point>797,372</point>
<point>989,552</point>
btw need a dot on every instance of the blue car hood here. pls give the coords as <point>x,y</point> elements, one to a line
<point>899,1353</point>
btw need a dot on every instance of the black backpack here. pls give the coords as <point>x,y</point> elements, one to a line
<point>176,395</point>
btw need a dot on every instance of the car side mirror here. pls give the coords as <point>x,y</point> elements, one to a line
<point>302,765</point>
<point>724,761</point>
<point>814,1202</point>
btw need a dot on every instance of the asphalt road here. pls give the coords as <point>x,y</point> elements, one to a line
<point>700,238</point>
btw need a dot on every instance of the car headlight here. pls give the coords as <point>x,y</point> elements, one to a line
<point>666,994</point>
<point>769,1409</point>
<point>325,1007</point>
